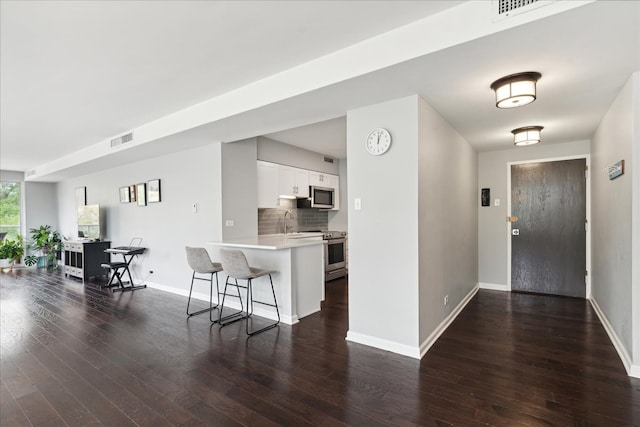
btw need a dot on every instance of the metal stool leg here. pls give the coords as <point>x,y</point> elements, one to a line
<point>233,316</point>
<point>250,302</point>
<point>211,306</point>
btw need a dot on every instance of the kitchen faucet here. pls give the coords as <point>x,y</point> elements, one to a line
<point>285,220</point>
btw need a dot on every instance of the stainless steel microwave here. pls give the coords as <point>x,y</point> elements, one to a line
<point>319,197</point>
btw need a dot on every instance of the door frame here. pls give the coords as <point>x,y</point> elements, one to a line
<point>587,158</point>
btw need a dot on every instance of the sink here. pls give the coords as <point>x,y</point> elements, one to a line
<point>302,235</point>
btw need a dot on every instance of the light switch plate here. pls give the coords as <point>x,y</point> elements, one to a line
<point>357,204</point>
<point>496,202</point>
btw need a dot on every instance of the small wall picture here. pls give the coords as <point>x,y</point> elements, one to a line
<point>616,170</point>
<point>141,194</point>
<point>132,193</point>
<point>153,191</point>
<point>124,195</point>
<point>485,197</point>
<point>81,196</point>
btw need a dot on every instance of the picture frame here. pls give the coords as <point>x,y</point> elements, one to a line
<point>485,197</point>
<point>81,196</point>
<point>141,194</point>
<point>125,196</point>
<point>616,170</point>
<point>132,193</point>
<point>153,191</point>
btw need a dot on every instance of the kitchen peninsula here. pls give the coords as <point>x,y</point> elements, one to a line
<point>299,281</point>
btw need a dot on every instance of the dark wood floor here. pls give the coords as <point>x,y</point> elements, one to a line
<point>76,355</point>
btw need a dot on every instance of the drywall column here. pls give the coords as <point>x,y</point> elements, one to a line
<point>383,239</point>
<point>415,238</point>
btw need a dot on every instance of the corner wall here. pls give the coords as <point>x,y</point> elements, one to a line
<point>615,222</point>
<point>415,238</point>
<point>448,222</point>
<point>383,240</point>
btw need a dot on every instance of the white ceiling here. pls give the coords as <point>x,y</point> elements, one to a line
<point>76,73</point>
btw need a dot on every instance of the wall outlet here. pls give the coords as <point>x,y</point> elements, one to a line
<point>496,202</point>
<point>357,204</point>
<point>229,223</point>
<point>194,207</point>
<point>446,300</point>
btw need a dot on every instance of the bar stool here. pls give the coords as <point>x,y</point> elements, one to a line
<point>236,266</point>
<point>200,263</point>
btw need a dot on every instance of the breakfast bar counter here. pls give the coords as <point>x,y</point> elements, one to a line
<point>299,279</point>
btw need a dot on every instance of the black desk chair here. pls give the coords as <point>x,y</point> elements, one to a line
<point>118,270</point>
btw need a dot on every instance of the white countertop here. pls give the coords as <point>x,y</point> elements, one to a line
<point>273,241</point>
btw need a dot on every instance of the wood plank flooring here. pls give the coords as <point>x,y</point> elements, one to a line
<point>75,355</point>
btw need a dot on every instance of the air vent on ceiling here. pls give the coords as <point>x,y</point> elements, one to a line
<point>122,139</point>
<point>31,172</point>
<point>328,159</point>
<point>505,8</point>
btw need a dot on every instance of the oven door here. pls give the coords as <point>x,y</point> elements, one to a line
<point>335,254</point>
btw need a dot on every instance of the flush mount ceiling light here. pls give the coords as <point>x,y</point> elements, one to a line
<point>527,135</point>
<point>516,90</point>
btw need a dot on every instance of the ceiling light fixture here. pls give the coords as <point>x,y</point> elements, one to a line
<point>516,90</point>
<point>527,135</point>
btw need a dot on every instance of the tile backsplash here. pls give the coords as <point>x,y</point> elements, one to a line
<point>271,221</point>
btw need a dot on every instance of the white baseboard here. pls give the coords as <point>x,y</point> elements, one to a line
<point>416,352</point>
<point>494,287</point>
<point>392,346</point>
<point>231,303</point>
<point>431,339</point>
<point>632,370</point>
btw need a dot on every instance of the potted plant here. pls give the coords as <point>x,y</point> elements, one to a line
<point>47,242</point>
<point>10,252</point>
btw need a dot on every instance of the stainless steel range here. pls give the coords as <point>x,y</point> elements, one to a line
<point>335,254</point>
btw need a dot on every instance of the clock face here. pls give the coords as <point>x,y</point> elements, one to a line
<point>378,141</point>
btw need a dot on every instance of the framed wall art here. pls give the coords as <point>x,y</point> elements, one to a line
<point>132,193</point>
<point>81,196</point>
<point>141,194</point>
<point>153,191</point>
<point>125,197</point>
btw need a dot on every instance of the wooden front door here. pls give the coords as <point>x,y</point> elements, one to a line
<point>548,241</point>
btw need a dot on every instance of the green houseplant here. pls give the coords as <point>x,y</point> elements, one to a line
<point>45,241</point>
<point>11,251</point>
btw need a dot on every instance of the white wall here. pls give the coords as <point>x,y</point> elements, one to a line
<point>614,287</point>
<point>273,151</point>
<point>492,225</point>
<point>187,177</point>
<point>383,238</point>
<point>40,205</point>
<point>239,189</point>
<point>448,220</point>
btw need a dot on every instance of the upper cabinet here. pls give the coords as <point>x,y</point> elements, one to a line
<point>268,194</point>
<point>320,179</point>
<point>275,181</point>
<point>293,182</point>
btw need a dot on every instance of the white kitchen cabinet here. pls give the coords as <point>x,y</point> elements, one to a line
<point>320,179</point>
<point>293,182</point>
<point>268,190</point>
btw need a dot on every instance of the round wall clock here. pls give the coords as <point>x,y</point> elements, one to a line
<point>378,141</point>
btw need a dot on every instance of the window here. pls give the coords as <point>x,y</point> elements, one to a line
<point>10,209</point>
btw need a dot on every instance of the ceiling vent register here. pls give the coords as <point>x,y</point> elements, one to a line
<point>122,139</point>
<point>505,8</point>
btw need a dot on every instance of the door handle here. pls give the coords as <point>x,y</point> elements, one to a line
<point>515,232</point>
